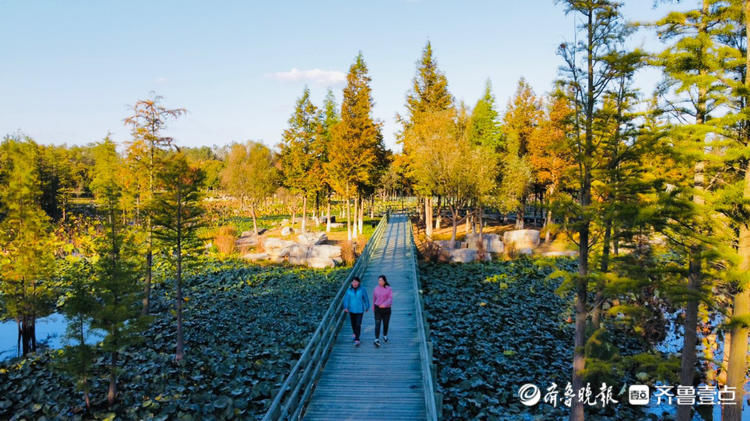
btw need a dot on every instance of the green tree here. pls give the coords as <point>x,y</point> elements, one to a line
<point>692,74</point>
<point>521,119</point>
<point>117,292</point>
<point>177,215</point>
<point>587,72</point>
<point>429,94</point>
<point>484,127</point>
<point>26,242</point>
<point>297,150</point>
<point>251,175</point>
<point>79,304</point>
<point>329,119</point>
<point>356,141</point>
<point>148,120</point>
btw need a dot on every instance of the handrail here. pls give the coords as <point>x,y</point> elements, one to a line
<point>432,398</point>
<point>292,397</point>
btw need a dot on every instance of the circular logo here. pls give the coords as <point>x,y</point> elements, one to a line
<point>529,394</point>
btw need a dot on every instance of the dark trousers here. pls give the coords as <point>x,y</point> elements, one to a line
<point>356,320</point>
<point>382,314</point>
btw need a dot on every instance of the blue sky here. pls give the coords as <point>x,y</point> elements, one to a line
<point>71,70</point>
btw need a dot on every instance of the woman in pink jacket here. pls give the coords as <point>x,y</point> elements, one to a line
<point>382,299</point>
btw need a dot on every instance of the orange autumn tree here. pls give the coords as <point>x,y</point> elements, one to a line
<point>548,150</point>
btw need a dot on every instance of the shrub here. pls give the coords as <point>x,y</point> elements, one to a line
<point>225,239</point>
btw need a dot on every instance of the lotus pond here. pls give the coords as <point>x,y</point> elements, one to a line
<point>245,326</point>
<point>497,326</point>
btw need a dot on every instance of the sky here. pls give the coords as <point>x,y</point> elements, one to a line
<point>72,70</point>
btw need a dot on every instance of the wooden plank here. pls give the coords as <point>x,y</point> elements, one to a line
<point>367,382</point>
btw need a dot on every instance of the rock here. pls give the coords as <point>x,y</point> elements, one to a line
<point>566,253</point>
<point>312,238</point>
<point>294,251</point>
<point>528,251</point>
<point>320,262</point>
<point>284,221</point>
<point>256,256</point>
<point>325,250</point>
<point>521,239</point>
<point>445,244</point>
<point>272,243</point>
<point>463,255</point>
<point>298,260</point>
<point>336,224</point>
<point>286,231</point>
<point>491,243</point>
<point>247,240</point>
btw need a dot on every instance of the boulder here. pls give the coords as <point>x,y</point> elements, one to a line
<point>446,244</point>
<point>528,251</point>
<point>298,260</point>
<point>320,262</point>
<point>312,238</point>
<point>521,239</point>
<point>286,231</point>
<point>336,224</point>
<point>325,250</point>
<point>272,244</point>
<point>463,255</point>
<point>491,243</point>
<point>294,251</point>
<point>256,256</point>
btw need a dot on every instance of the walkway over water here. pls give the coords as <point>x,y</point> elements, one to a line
<point>393,382</point>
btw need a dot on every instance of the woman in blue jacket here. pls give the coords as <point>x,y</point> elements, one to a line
<point>356,304</point>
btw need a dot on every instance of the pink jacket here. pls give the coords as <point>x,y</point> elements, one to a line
<point>382,296</point>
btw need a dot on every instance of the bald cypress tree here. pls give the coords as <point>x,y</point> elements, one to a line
<point>26,261</point>
<point>694,90</point>
<point>356,140</point>
<point>297,147</point>
<point>429,94</point>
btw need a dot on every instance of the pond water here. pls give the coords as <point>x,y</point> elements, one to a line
<point>50,333</point>
<point>672,344</point>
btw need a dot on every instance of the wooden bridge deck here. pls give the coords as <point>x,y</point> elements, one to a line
<point>383,383</point>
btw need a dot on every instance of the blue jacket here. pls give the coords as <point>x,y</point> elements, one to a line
<point>356,301</point>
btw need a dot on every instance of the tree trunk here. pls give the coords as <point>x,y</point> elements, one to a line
<point>328,214</point>
<point>303,227</point>
<point>738,334</point>
<point>348,216</point>
<point>372,207</point>
<point>179,352</point>
<point>112,392</point>
<point>579,356</point>
<point>604,268</point>
<point>428,217</point>
<point>317,209</point>
<point>361,215</point>
<point>255,219</point>
<point>147,288</point>
<point>520,215</point>
<point>437,217</point>
<point>688,356</point>
<point>454,214</point>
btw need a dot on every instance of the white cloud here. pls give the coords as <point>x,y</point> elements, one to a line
<point>316,76</point>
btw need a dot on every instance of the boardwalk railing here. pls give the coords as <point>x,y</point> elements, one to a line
<point>294,394</point>
<point>433,400</point>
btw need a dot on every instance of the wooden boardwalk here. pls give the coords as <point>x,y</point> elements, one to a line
<point>386,383</point>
